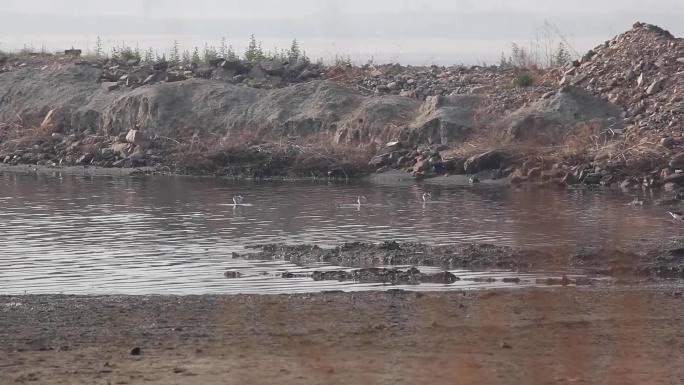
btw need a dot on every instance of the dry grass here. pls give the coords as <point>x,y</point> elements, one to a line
<point>17,134</point>
<point>246,153</point>
<point>581,144</point>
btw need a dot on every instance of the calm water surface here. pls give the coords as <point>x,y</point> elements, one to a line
<point>175,235</point>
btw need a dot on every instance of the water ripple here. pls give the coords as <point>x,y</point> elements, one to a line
<point>176,235</point>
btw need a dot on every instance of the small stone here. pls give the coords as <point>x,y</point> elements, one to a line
<point>629,183</point>
<point>174,77</point>
<point>677,178</point>
<point>571,72</point>
<point>534,172</point>
<point>677,161</point>
<point>629,76</point>
<point>136,351</point>
<point>655,87</point>
<point>569,179</point>
<point>490,160</point>
<point>505,345</point>
<point>640,80</point>
<point>668,142</point>
<point>592,178</point>
<point>566,80</point>
<point>136,137</point>
<point>84,159</point>
<point>110,86</point>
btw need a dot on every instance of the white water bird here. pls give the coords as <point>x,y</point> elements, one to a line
<point>427,197</point>
<point>360,200</point>
<point>238,199</point>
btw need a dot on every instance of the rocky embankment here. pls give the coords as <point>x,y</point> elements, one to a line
<point>613,117</point>
<point>657,261</point>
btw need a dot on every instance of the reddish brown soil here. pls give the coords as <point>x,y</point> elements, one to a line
<point>536,336</point>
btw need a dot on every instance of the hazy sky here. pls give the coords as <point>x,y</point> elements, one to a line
<point>408,31</point>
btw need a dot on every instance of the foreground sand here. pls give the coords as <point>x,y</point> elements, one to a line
<point>531,336</point>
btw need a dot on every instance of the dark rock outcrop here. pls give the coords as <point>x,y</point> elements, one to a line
<point>489,160</point>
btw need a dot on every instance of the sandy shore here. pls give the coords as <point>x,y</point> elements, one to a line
<point>531,336</point>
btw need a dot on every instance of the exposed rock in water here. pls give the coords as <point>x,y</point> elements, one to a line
<point>392,253</point>
<point>232,274</point>
<point>412,276</point>
<point>656,261</point>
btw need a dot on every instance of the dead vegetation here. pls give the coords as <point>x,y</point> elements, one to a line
<point>247,154</point>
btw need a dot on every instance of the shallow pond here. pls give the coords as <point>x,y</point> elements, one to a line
<point>65,233</point>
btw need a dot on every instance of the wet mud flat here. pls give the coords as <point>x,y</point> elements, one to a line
<point>662,259</point>
<point>564,335</point>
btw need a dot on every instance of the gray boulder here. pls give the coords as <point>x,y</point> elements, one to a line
<point>443,119</point>
<point>490,160</point>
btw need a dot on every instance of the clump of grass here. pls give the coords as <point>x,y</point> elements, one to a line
<point>549,48</point>
<point>523,79</point>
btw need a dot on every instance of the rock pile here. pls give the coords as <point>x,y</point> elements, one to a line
<point>621,104</point>
<point>420,82</point>
<point>641,70</point>
<point>86,150</point>
<point>269,73</point>
<point>116,74</point>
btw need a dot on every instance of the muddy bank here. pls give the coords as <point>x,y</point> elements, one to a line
<point>531,336</point>
<point>80,170</point>
<point>663,260</point>
<point>246,162</point>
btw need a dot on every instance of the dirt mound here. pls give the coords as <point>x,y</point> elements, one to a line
<point>548,120</point>
<point>641,70</point>
<point>89,118</point>
<point>177,108</point>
